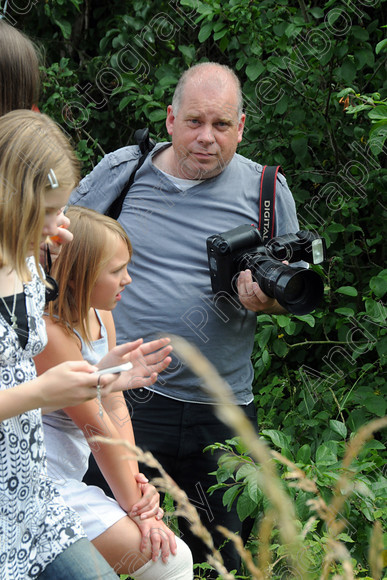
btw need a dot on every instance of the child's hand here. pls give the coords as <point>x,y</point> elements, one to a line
<point>63,236</point>
<point>70,384</point>
<point>159,536</point>
<point>149,504</point>
<point>148,359</point>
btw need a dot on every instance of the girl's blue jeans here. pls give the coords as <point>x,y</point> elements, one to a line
<point>81,561</point>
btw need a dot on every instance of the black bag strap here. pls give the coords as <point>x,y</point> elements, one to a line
<point>146,145</point>
<point>266,223</point>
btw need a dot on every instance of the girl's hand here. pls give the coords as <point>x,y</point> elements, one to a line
<point>63,236</point>
<point>159,536</point>
<point>149,505</point>
<point>147,359</point>
<point>69,384</point>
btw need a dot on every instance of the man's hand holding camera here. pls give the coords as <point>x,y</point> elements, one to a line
<point>252,297</point>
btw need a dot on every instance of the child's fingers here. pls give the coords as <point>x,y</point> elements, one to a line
<point>154,345</point>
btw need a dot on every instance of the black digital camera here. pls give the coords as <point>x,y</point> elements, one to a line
<point>298,290</point>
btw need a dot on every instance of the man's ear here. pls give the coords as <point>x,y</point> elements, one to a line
<point>241,126</point>
<point>170,120</point>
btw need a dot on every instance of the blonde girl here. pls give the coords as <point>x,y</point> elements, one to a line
<point>20,88</point>
<point>40,537</point>
<point>92,274</point>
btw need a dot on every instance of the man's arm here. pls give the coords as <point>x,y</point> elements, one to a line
<point>105,182</point>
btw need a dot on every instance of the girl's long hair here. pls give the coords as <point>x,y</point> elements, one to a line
<point>31,145</point>
<point>19,70</point>
<point>80,263</point>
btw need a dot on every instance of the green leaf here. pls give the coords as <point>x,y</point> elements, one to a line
<point>263,336</point>
<point>223,474</point>
<point>282,105</point>
<point>345,311</point>
<point>124,102</point>
<point>345,92</point>
<point>376,404</point>
<point>317,12</point>
<point>278,438</point>
<point>283,320</point>
<point>253,488</point>
<point>359,33</point>
<point>254,69</point>
<point>335,228</point>
<point>205,31</point>
<point>347,290</point>
<point>345,538</point>
<point>339,428</point>
<point>379,112</point>
<point>378,284</point>
<point>245,505</point>
<point>220,34</point>
<point>65,27</point>
<point>280,347</point>
<point>325,455</point>
<point>347,71</point>
<point>291,328</point>
<point>299,146</point>
<point>308,318</point>
<point>352,110</point>
<point>381,46</point>
<point>158,115</point>
<point>230,495</point>
<point>381,347</point>
<point>377,137</point>
<point>376,310</point>
<point>304,454</point>
<point>363,57</point>
<point>246,469</point>
<point>187,51</point>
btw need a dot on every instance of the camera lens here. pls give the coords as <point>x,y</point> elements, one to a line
<point>295,288</point>
<point>298,290</point>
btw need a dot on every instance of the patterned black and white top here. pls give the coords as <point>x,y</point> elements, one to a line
<point>35,524</point>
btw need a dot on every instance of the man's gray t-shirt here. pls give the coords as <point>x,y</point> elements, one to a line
<point>171,288</point>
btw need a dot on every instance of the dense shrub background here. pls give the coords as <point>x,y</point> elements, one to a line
<point>314,81</point>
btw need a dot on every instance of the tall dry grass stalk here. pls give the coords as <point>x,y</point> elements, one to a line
<point>281,514</point>
<point>183,506</point>
<point>343,489</point>
<point>227,411</point>
<point>375,556</point>
<point>282,506</point>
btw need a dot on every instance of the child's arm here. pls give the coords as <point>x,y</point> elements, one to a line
<point>112,459</point>
<point>119,473</point>
<point>70,383</point>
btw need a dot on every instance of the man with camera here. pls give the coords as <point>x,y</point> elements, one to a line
<point>183,193</point>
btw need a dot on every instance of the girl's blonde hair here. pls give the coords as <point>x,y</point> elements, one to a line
<point>31,145</point>
<point>19,70</point>
<point>79,265</point>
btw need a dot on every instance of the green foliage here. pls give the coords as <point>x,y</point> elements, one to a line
<point>376,111</point>
<point>111,68</point>
<point>321,464</point>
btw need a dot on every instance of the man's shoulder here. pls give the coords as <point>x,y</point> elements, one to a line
<point>246,169</point>
<point>245,162</point>
<point>255,168</point>
<point>122,155</point>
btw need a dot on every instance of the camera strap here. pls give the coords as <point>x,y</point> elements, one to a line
<point>266,222</point>
<point>146,145</point>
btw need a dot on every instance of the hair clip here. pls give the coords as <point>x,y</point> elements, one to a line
<point>52,179</point>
